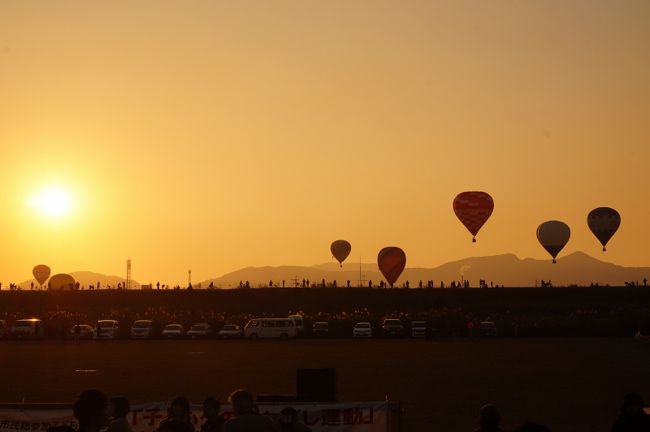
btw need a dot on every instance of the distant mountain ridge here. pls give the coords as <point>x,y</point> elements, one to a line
<point>508,270</point>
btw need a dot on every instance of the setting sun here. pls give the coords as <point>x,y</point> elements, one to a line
<point>51,201</point>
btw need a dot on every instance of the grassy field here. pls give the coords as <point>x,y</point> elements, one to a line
<point>568,384</point>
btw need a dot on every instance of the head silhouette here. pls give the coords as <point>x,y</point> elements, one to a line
<point>91,410</point>
<point>119,407</point>
<point>489,417</point>
<point>242,402</point>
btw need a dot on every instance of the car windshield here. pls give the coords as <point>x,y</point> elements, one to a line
<point>106,324</point>
<point>392,322</point>
<point>173,327</point>
<point>363,325</point>
<point>199,327</point>
<point>23,324</point>
<point>142,324</point>
<point>229,327</point>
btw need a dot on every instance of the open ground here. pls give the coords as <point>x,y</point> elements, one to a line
<point>570,384</point>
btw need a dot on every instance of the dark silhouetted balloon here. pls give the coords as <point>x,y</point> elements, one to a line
<point>391,261</point>
<point>603,222</point>
<point>62,281</point>
<point>473,209</point>
<point>41,272</point>
<point>340,250</point>
<point>553,236</point>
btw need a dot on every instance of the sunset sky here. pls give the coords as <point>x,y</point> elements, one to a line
<point>214,135</point>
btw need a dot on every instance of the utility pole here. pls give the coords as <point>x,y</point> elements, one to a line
<point>361,277</point>
<point>128,273</point>
<point>189,278</point>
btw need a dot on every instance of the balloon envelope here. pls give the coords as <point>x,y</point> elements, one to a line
<point>340,250</point>
<point>553,236</point>
<point>41,272</point>
<point>603,222</point>
<point>62,281</point>
<point>391,261</point>
<point>473,209</point>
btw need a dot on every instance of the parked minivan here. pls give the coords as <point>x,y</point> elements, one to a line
<point>31,328</point>
<point>283,328</point>
<point>107,329</point>
<point>143,329</point>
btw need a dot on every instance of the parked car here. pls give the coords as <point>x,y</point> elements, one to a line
<point>488,329</point>
<point>392,327</point>
<point>143,329</point>
<point>173,331</point>
<point>107,329</point>
<point>418,329</point>
<point>230,331</point>
<point>362,329</point>
<point>3,328</point>
<point>283,328</point>
<point>31,328</point>
<point>199,330</point>
<point>320,329</point>
<point>82,331</point>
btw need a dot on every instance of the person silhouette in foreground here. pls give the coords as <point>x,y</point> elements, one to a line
<point>213,421</point>
<point>179,418</point>
<point>118,408</point>
<point>531,427</point>
<point>245,417</point>
<point>489,419</point>
<point>91,411</point>
<point>288,421</point>
<point>632,418</point>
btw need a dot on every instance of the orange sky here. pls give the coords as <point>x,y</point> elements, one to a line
<point>216,135</point>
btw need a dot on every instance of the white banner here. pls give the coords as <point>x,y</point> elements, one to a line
<point>330,417</point>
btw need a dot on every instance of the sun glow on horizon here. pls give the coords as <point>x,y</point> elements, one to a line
<point>52,202</point>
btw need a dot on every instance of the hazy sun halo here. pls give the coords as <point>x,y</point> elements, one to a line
<point>51,201</point>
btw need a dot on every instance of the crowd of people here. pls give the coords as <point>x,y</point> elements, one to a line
<point>95,412</point>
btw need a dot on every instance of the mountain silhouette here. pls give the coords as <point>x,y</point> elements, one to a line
<point>508,270</point>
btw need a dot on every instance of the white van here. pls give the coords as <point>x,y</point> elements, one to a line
<point>107,329</point>
<point>283,328</point>
<point>299,321</point>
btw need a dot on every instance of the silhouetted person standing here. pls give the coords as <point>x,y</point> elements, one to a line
<point>288,421</point>
<point>245,418</point>
<point>632,417</point>
<point>489,419</point>
<point>179,417</point>
<point>91,411</point>
<point>213,421</point>
<point>118,408</point>
<point>531,427</point>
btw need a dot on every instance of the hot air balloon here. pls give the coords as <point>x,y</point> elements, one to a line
<point>41,272</point>
<point>473,209</point>
<point>391,261</point>
<point>340,250</point>
<point>553,236</point>
<point>603,222</point>
<point>62,281</point>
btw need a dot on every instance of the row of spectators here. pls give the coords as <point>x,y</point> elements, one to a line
<point>96,413</point>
